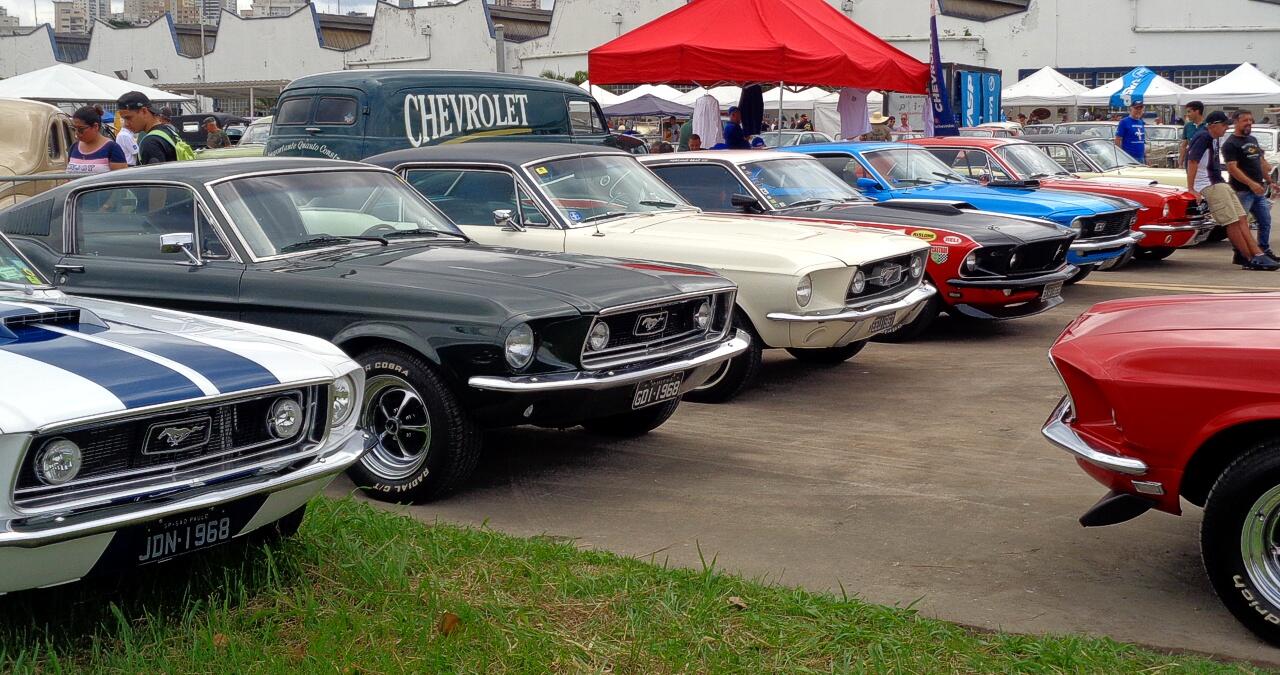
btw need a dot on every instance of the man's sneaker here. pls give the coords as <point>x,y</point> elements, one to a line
<point>1262,262</point>
<point>1269,254</point>
<point>1237,259</point>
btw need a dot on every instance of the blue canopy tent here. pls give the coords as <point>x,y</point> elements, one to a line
<point>648,106</point>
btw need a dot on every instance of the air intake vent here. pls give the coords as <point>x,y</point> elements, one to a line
<point>63,316</point>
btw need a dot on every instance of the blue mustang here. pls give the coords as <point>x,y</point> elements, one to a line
<point>884,171</point>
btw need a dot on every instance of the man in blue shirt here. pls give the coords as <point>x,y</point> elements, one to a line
<point>734,138</point>
<point>1131,133</point>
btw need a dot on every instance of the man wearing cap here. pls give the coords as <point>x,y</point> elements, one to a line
<point>1204,178</point>
<point>217,138</point>
<point>734,137</point>
<point>139,118</point>
<point>1131,133</point>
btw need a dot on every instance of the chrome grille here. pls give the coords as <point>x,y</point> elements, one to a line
<point>121,456</point>
<point>1106,225</point>
<point>1034,258</point>
<point>658,329</point>
<point>886,278</point>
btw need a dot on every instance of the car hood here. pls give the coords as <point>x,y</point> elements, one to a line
<point>1038,203</point>
<point>66,358</point>
<point>984,227</point>
<point>1167,176</point>
<point>799,239</point>
<point>524,281</point>
<point>1240,312</point>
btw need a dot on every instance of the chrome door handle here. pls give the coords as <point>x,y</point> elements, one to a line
<point>313,130</point>
<point>69,269</point>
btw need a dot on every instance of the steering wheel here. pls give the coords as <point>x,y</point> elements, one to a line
<point>380,228</point>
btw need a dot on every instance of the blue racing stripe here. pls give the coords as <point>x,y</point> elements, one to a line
<point>228,371</point>
<point>134,380</point>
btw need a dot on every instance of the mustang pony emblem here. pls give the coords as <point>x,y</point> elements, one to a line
<point>650,324</point>
<point>889,275</point>
<point>176,435</point>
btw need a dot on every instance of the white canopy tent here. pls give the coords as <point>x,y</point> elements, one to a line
<point>62,83</point>
<point>662,91</point>
<point>1245,85</point>
<point>1045,87</point>
<point>605,98</point>
<point>1159,92</point>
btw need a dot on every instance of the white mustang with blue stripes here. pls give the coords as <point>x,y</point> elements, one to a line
<point>131,435</point>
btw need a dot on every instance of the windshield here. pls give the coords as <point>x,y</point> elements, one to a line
<point>1095,130</point>
<point>1155,133</point>
<point>256,134</point>
<point>14,269</point>
<point>1029,161</point>
<point>598,187</point>
<point>905,167</point>
<point>978,133</point>
<point>1266,139</point>
<point>284,213</point>
<point>778,139</point>
<point>791,182</point>
<point>1106,155</point>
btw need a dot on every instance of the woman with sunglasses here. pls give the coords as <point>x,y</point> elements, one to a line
<point>93,152</point>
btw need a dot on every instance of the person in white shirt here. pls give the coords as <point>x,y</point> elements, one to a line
<point>129,143</point>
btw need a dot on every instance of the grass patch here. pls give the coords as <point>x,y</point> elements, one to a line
<point>360,590</point>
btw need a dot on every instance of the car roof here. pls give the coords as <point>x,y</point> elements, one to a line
<point>508,153</point>
<point>852,146</point>
<point>1062,138</point>
<point>735,156</point>
<point>400,78</point>
<point>971,141</point>
<point>203,171</point>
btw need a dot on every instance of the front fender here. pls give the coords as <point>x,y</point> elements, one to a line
<point>374,330</point>
<point>1234,417</point>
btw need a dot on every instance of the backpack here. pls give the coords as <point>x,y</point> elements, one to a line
<point>181,150</point>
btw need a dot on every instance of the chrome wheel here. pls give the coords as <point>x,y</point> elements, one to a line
<point>1260,544</point>
<point>397,428</point>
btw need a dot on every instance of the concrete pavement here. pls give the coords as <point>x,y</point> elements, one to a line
<point>913,474</point>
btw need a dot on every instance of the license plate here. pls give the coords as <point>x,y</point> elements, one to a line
<point>657,390</point>
<point>1052,291</point>
<point>881,324</point>
<point>184,534</point>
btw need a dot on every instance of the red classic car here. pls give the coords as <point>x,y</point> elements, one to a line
<point>1179,397</point>
<point>1170,217</point>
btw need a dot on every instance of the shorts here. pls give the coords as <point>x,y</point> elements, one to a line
<point>1223,203</point>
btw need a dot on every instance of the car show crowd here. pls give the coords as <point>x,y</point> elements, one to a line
<point>389,271</point>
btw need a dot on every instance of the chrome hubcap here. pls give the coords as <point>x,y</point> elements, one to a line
<point>1260,545</point>
<point>397,428</point>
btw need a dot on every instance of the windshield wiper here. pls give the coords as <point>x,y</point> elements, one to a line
<point>808,202</point>
<point>1038,176</point>
<point>603,216</point>
<point>913,181</point>
<point>420,233</point>
<point>946,176</point>
<point>659,203</point>
<point>29,289</point>
<point>315,242</point>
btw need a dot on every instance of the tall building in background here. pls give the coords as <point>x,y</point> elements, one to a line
<point>70,16</point>
<point>519,4</point>
<point>143,12</point>
<point>96,10</point>
<point>212,9</point>
<point>7,21</point>
<point>277,7</point>
<point>185,11</point>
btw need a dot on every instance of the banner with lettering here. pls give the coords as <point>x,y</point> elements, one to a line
<point>970,99</point>
<point>944,121</point>
<point>991,97</point>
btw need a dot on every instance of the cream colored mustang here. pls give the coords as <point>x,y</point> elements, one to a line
<point>818,290</point>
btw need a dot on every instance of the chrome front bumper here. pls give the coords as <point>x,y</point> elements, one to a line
<point>44,530</point>
<point>607,379</point>
<point>1202,227</point>
<point>917,295</point>
<point>1060,433</point>
<point>1094,245</point>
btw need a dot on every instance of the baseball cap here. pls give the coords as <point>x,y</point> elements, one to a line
<point>133,100</point>
<point>733,109</point>
<point>165,112</point>
<point>1216,117</point>
<point>209,120</point>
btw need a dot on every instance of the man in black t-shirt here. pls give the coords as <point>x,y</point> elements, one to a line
<point>135,108</point>
<point>1249,170</point>
<point>1204,179</point>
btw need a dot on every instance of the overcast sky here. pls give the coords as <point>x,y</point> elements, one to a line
<point>23,8</point>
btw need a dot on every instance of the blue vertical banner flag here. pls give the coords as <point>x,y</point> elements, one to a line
<point>944,121</point>
<point>991,97</point>
<point>1133,86</point>
<point>970,99</point>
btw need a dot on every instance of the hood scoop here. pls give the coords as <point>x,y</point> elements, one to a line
<point>14,318</point>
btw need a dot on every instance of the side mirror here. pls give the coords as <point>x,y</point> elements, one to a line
<point>181,242</point>
<point>868,185</point>
<point>506,219</point>
<point>747,202</point>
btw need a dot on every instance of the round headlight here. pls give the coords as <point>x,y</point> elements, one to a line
<point>917,267</point>
<point>285,419</point>
<point>519,346</point>
<point>702,317</point>
<point>1166,210</point>
<point>859,283</point>
<point>598,338</point>
<point>58,462</point>
<point>971,261</point>
<point>1078,225</point>
<point>804,290</point>
<point>344,397</point>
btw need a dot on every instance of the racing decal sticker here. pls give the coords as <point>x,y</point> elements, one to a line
<point>952,240</point>
<point>925,235</point>
<point>228,371</point>
<point>939,254</point>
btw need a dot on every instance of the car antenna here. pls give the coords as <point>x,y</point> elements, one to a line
<point>598,232</point>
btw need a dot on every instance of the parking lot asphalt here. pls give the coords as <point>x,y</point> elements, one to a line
<point>912,475</point>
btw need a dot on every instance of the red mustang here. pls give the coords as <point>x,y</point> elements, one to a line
<point>1170,217</point>
<point>1179,397</point>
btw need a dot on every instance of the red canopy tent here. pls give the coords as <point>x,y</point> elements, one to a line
<point>802,42</point>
